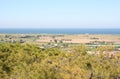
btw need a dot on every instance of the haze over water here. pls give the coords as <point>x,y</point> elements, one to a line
<point>60,31</point>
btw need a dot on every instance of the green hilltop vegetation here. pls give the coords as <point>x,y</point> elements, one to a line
<point>29,61</point>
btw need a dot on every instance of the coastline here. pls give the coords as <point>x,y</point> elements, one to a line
<point>114,31</point>
<point>64,38</point>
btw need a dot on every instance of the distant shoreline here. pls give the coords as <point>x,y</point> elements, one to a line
<point>60,31</point>
<point>104,39</point>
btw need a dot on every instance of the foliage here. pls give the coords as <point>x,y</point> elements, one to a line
<point>28,61</point>
<point>105,48</point>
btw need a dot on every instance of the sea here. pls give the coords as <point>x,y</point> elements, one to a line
<point>58,31</point>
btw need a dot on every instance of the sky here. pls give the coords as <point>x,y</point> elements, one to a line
<point>59,13</point>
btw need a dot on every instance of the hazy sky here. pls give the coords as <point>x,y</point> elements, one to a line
<point>59,13</point>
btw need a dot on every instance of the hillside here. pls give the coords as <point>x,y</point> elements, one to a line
<point>29,61</point>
